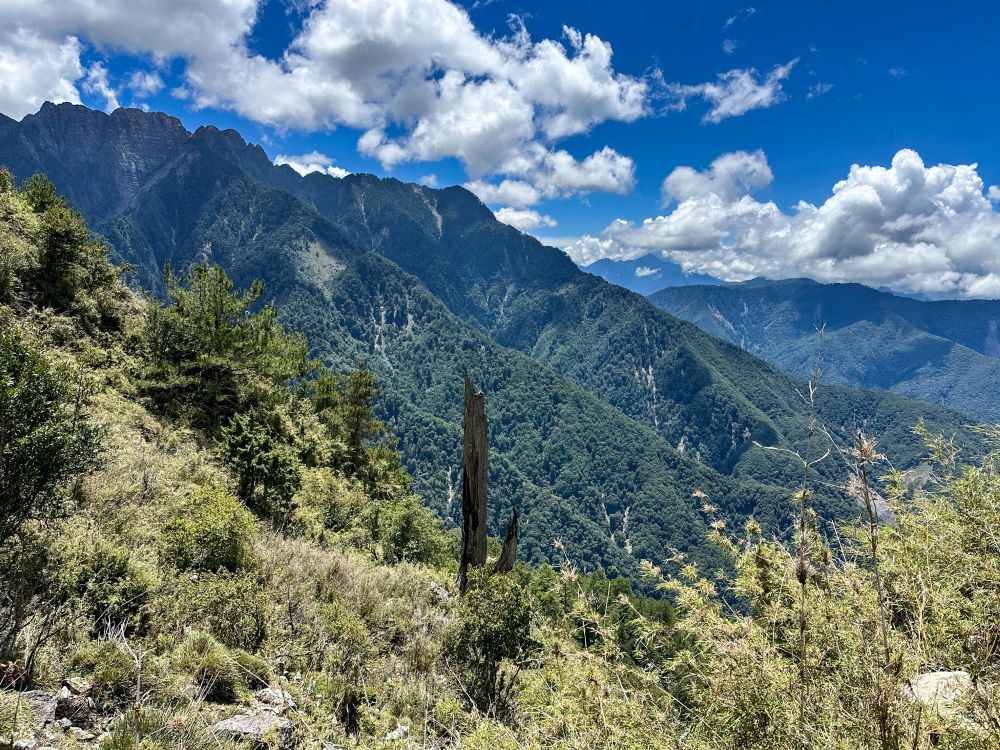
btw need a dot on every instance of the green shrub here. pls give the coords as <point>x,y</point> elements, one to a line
<point>350,644</point>
<point>210,667</point>
<point>45,442</point>
<point>234,609</point>
<point>16,718</point>
<point>114,589</point>
<point>211,531</point>
<point>408,530</point>
<point>492,627</point>
<point>327,501</point>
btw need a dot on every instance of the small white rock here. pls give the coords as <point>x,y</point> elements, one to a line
<point>270,697</point>
<point>398,733</point>
<point>81,735</point>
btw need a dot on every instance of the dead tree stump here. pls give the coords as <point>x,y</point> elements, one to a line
<point>475,466</point>
<point>475,463</point>
<point>505,563</point>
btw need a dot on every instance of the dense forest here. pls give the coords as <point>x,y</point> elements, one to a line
<point>209,540</point>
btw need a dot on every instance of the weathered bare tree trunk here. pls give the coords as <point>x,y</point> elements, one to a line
<point>505,563</point>
<point>474,472</point>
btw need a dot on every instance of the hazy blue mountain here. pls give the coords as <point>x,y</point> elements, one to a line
<point>945,352</point>
<point>647,274</point>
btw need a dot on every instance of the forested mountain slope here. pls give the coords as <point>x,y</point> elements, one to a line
<point>945,352</point>
<point>704,397</point>
<point>608,419</point>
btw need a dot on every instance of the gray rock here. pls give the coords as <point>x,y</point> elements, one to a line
<point>25,743</point>
<point>254,728</point>
<point>398,733</point>
<point>270,696</point>
<point>64,723</point>
<point>276,700</point>
<point>438,592</point>
<point>43,705</point>
<point>76,685</point>
<point>81,735</point>
<point>78,709</point>
<point>941,691</point>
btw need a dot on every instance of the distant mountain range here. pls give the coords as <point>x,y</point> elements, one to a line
<point>945,352</point>
<point>647,274</point>
<point>606,413</point>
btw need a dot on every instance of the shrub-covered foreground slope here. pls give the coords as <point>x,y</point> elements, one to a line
<point>943,352</point>
<point>207,542</point>
<point>609,414</point>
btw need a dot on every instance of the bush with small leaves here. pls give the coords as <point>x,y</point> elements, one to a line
<point>408,530</point>
<point>114,587</point>
<point>492,630</point>
<point>46,443</point>
<point>211,530</point>
<point>233,608</point>
<point>111,669</point>
<point>327,501</point>
<point>255,669</point>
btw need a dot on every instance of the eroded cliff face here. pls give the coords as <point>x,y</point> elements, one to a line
<point>79,147</point>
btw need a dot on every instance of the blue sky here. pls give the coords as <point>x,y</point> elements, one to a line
<point>801,92</point>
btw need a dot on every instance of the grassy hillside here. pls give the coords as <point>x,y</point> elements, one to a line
<point>943,352</point>
<point>206,541</point>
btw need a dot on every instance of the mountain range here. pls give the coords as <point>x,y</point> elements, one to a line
<point>945,352</point>
<point>647,274</point>
<point>606,412</point>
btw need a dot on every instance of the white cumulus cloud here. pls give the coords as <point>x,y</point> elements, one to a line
<point>145,83</point>
<point>313,161</point>
<point>537,173</point>
<point>97,83</point>
<point>35,68</point>
<point>524,219</point>
<point>908,226</point>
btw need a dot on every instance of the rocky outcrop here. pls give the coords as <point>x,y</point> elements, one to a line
<point>75,146</point>
<point>42,705</point>
<point>258,730</point>
<point>75,706</point>
<point>942,691</point>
